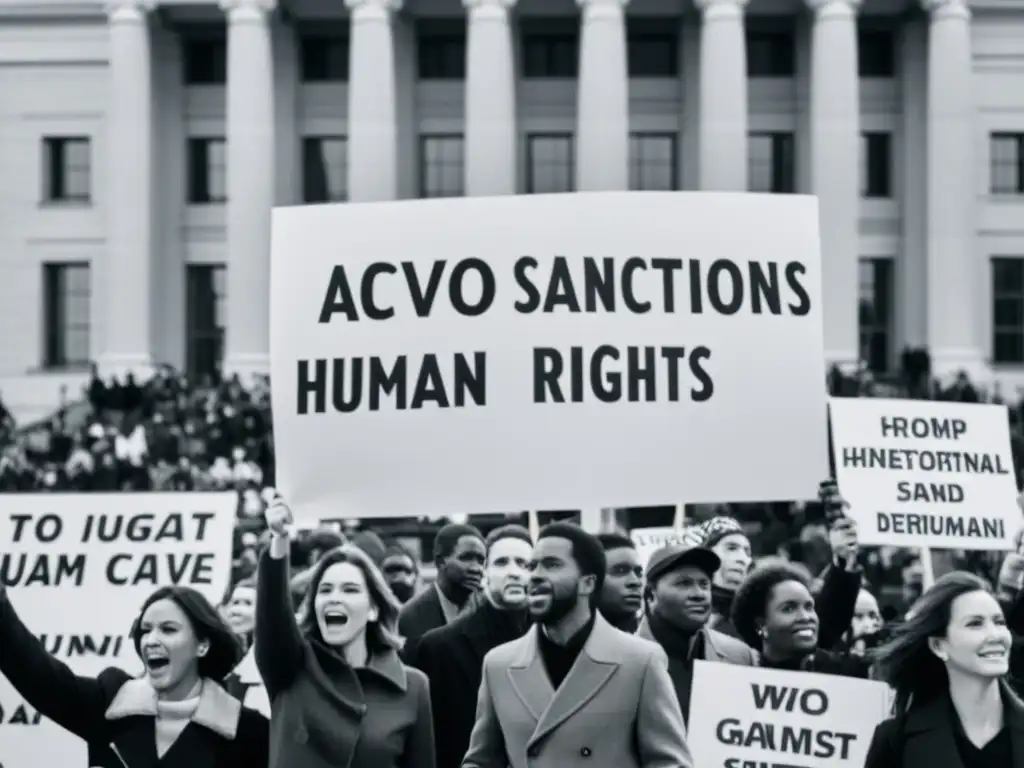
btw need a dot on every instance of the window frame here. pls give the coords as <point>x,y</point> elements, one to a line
<point>422,176</point>
<point>192,198</point>
<point>57,170</point>
<point>637,136</point>
<point>566,136</point>
<point>1016,294</point>
<point>56,326</point>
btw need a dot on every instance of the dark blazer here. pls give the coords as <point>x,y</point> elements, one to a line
<point>324,713</point>
<point>114,713</point>
<point>452,657</point>
<point>420,615</point>
<point>924,736</point>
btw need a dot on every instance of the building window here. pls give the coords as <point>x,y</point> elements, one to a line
<point>876,52</point>
<point>206,60</point>
<point>653,164</point>
<point>207,171</point>
<point>550,55</point>
<point>442,171</point>
<point>652,54</point>
<point>66,309</point>
<point>324,59</point>
<point>1006,152</point>
<point>875,321</point>
<point>205,299</point>
<point>876,165</point>
<point>1008,310</point>
<point>441,57</point>
<point>324,169</point>
<point>550,165</point>
<point>771,53</point>
<point>772,162</point>
<point>67,169</point>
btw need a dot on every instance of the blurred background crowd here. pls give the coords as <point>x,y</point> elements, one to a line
<point>170,433</point>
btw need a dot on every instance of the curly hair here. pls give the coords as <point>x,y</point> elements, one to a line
<point>750,605</point>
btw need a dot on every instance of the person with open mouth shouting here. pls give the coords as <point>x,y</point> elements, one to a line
<point>176,715</point>
<point>339,694</point>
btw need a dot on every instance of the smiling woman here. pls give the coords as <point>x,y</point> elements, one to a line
<point>339,693</point>
<point>177,714</point>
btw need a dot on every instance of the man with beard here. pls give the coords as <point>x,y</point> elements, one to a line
<point>459,554</point>
<point>574,692</point>
<point>622,593</point>
<point>400,571</point>
<point>678,606</point>
<point>452,656</point>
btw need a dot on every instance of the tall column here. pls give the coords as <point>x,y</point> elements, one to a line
<point>835,169</point>
<point>952,279</point>
<point>130,242</point>
<point>723,96</point>
<point>602,109</point>
<point>490,99</point>
<point>250,156</point>
<point>372,110</point>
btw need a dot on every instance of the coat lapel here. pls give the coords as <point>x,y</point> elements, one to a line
<point>529,678</point>
<point>597,662</point>
<point>1015,720</point>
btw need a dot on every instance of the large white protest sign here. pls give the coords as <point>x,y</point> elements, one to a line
<point>77,569</point>
<point>748,716</point>
<point>920,473</point>
<point>546,352</point>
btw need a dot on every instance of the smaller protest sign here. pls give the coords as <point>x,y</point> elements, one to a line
<point>78,568</point>
<point>649,540</point>
<point>749,716</point>
<point>925,473</point>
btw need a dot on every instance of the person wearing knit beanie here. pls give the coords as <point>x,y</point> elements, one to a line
<point>725,537</point>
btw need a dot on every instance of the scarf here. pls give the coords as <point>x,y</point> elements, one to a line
<point>172,717</point>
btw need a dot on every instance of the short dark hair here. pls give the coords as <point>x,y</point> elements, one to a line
<point>394,548</point>
<point>751,601</point>
<point>447,539</point>
<point>225,649</point>
<point>586,549</point>
<point>614,540</point>
<point>507,532</point>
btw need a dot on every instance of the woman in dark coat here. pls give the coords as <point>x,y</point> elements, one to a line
<point>339,695</point>
<point>948,664</point>
<point>176,716</point>
<point>774,613</point>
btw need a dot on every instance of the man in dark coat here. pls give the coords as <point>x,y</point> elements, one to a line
<point>459,553</point>
<point>452,656</point>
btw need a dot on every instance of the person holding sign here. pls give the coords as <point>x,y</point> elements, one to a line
<point>774,612</point>
<point>948,664</point>
<point>177,714</point>
<point>575,692</point>
<point>339,695</point>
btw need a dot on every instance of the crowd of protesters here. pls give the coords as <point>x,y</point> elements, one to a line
<point>367,666</point>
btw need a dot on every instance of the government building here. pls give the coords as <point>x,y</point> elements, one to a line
<point>142,147</point>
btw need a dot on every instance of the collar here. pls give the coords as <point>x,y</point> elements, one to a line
<point>388,667</point>
<point>218,710</point>
<point>449,609</point>
<point>934,713</point>
<point>695,643</point>
<point>575,643</point>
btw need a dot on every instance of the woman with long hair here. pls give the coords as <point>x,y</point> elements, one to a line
<point>774,613</point>
<point>339,694</point>
<point>176,715</point>
<point>947,663</point>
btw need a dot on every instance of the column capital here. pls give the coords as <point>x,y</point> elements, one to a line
<point>831,8</point>
<point>238,9</point>
<point>374,6</point>
<point>947,9</point>
<point>500,5</point>
<point>721,8</point>
<point>128,10</point>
